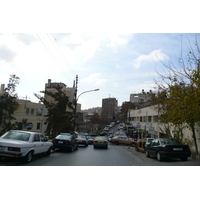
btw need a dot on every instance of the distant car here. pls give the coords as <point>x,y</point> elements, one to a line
<point>100,142</point>
<point>123,140</point>
<point>110,137</point>
<point>168,148</point>
<point>90,139</point>
<point>65,141</point>
<point>106,129</point>
<point>142,144</point>
<point>82,140</point>
<point>24,144</point>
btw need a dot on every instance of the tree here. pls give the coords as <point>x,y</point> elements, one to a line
<point>58,120</point>
<point>7,105</point>
<point>126,106</point>
<point>178,96</point>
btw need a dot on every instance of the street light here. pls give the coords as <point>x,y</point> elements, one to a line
<point>76,100</point>
<point>85,92</point>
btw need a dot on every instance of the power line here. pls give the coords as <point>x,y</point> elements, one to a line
<point>52,56</point>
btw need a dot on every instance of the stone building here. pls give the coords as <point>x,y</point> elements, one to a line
<point>110,108</point>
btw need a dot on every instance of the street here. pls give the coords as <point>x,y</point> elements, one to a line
<point>115,155</point>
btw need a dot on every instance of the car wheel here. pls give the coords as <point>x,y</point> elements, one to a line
<point>117,143</point>
<point>48,153</point>
<point>184,159</point>
<point>136,148</point>
<point>86,145</point>
<point>147,154</point>
<point>159,158</point>
<point>28,157</point>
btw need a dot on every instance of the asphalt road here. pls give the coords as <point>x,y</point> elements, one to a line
<point>115,155</point>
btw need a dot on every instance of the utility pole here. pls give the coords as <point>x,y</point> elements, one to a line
<point>75,100</point>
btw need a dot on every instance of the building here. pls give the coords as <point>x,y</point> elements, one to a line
<point>109,108</point>
<point>140,99</point>
<point>147,119</point>
<point>29,115</point>
<point>69,91</point>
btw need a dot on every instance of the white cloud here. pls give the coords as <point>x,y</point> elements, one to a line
<point>94,79</point>
<point>155,55</point>
<point>6,54</point>
<point>119,39</point>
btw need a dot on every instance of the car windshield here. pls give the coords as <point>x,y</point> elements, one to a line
<point>149,140</point>
<point>17,135</point>
<point>82,136</point>
<point>63,137</point>
<point>170,141</point>
<point>100,138</point>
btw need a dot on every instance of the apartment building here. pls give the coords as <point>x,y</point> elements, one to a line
<point>140,99</point>
<point>33,113</point>
<point>110,108</point>
<point>69,91</point>
<point>148,119</point>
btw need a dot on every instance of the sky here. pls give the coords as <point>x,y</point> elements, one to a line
<point>113,46</point>
<point>118,64</point>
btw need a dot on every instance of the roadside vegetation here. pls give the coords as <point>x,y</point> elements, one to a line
<point>177,95</point>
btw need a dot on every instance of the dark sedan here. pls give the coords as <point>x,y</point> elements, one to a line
<point>90,139</point>
<point>167,148</point>
<point>65,141</point>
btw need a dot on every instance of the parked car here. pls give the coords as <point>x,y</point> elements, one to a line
<point>168,148</point>
<point>90,139</point>
<point>142,144</point>
<point>65,141</point>
<point>106,129</point>
<point>123,140</point>
<point>82,140</point>
<point>100,142</point>
<point>24,144</point>
<point>110,137</point>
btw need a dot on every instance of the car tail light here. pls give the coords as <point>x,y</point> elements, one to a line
<point>68,142</point>
<point>188,149</point>
<point>95,141</point>
<point>166,149</point>
<point>13,149</point>
<point>105,142</point>
<point>53,141</point>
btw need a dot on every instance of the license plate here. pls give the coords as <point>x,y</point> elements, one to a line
<point>60,142</point>
<point>177,149</point>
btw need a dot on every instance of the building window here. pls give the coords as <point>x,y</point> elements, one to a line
<point>32,111</point>
<point>149,118</point>
<point>38,126</point>
<point>155,118</point>
<point>140,119</point>
<point>27,111</point>
<point>39,112</point>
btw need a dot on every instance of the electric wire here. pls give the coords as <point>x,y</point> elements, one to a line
<point>52,56</point>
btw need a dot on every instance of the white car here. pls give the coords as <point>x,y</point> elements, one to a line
<point>24,144</point>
